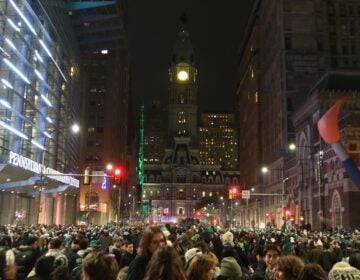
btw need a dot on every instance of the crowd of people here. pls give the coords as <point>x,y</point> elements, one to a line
<point>176,252</point>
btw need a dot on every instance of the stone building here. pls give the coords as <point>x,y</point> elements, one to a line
<point>176,187</point>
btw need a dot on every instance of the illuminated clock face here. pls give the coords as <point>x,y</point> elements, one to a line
<point>183,75</point>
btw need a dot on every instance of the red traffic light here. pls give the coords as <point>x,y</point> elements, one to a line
<point>118,173</point>
<point>234,192</point>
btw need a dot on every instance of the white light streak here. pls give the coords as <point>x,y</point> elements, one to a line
<point>17,71</point>
<point>15,131</point>
<point>47,101</point>
<point>23,17</point>
<point>47,134</point>
<point>50,55</point>
<point>13,25</point>
<point>5,103</point>
<point>6,83</point>
<point>38,74</point>
<point>38,56</point>
<point>37,144</point>
<point>11,44</point>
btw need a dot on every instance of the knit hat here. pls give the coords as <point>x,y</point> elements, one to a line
<point>342,270</point>
<point>228,239</point>
<point>191,253</point>
<point>230,268</point>
<point>319,243</point>
<point>95,244</point>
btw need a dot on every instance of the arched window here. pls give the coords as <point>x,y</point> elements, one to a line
<point>181,194</point>
<point>336,210</point>
<point>152,179</point>
<point>181,211</point>
<point>217,180</point>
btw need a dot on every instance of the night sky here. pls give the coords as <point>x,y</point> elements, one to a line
<point>216,29</point>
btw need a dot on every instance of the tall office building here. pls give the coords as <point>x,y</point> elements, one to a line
<point>218,140</point>
<point>62,62</point>
<point>287,48</point>
<point>101,31</point>
<point>176,186</point>
<point>40,81</point>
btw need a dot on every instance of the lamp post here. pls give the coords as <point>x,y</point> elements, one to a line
<point>266,170</point>
<point>41,183</point>
<point>309,154</point>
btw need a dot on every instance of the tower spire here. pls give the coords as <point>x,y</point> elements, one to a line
<point>183,18</point>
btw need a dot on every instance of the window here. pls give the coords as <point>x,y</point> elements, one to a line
<point>336,210</point>
<point>181,194</point>
<point>352,147</point>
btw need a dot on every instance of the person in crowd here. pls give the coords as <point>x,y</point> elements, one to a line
<point>166,264</point>
<point>105,241</point>
<point>72,255</point>
<point>152,239</point>
<point>312,271</point>
<point>116,249</point>
<point>61,273</point>
<point>327,258</point>
<point>201,268</point>
<point>229,249</point>
<point>229,269</point>
<point>44,266</point>
<point>17,238</point>
<point>272,254</point>
<point>7,264</point>
<point>342,270</point>
<point>54,249</point>
<point>354,258</point>
<point>260,269</point>
<point>99,266</point>
<point>288,267</point>
<point>315,250</point>
<point>127,255</point>
<point>26,257</point>
<point>190,256</point>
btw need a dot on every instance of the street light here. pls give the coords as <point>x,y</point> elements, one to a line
<point>75,129</point>
<point>266,170</point>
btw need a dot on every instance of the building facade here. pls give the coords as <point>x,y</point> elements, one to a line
<point>290,45</point>
<point>59,61</point>
<point>40,76</point>
<point>218,140</point>
<point>101,29</point>
<point>181,185</point>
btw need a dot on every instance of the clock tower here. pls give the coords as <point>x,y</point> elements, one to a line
<point>182,102</point>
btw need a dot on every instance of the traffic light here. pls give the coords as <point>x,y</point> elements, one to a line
<point>286,213</point>
<point>234,192</point>
<point>118,174</point>
<point>198,213</point>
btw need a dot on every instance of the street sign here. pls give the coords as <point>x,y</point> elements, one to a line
<point>245,194</point>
